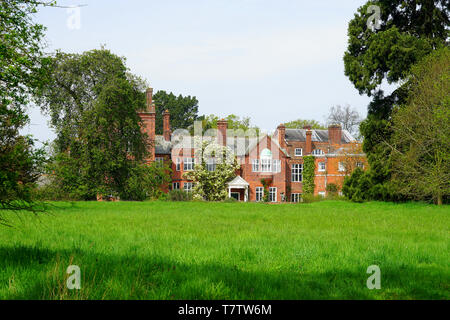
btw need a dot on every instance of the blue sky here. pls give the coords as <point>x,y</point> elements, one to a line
<point>273,61</point>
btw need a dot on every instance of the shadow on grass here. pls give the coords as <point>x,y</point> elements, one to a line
<point>41,274</point>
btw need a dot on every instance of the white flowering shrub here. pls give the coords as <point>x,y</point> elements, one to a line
<point>214,167</point>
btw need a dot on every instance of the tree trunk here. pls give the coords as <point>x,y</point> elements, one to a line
<point>439,199</point>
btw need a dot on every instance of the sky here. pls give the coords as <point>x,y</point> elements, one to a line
<point>273,61</point>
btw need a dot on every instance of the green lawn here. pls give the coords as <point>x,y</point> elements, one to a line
<point>163,250</point>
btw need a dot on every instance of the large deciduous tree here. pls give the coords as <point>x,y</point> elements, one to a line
<point>408,31</point>
<point>300,123</point>
<point>346,116</point>
<point>20,60</point>
<point>421,132</point>
<point>93,102</point>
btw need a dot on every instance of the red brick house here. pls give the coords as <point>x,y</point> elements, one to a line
<point>276,159</point>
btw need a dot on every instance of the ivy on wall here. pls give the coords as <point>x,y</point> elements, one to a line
<point>309,167</point>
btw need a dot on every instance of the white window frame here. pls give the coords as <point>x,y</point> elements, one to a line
<point>297,172</point>
<point>322,194</point>
<point>188,164</point>
<point>273,194</point>
<point>324,166</point>
<point>276,166</point>
<point>259,194</point>
<point>178,164</point>
<point>298,154</point>
<point>341,166</point>
<point>255,165</point>
<point>175,186</point>
<point>266,165</point>
<point>318,152</point>
<point>188,186</point>
<point>296,197</point>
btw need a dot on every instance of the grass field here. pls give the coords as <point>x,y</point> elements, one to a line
<point>164,250</point>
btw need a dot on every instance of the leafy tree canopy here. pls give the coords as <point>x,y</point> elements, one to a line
<point>299,124</point>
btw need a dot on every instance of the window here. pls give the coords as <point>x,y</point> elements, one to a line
<point>188,164</point>
<point>266,165</point>
<point>175,186</point>
<point>159,162</point>
<point>322,166</point>
<point>272,194</point>
<point>211,164</point>
<point>276,166</point>
<point>322,194</point>
<point>298,152</point>
<point>178,164</point>
<point>296,170</point>
<point>259,193</point>
<point>188,186</point>
<point>295,197</point>
<point>318,152</point>
<point>360,165</point>
<point>341,166</point>
<point>255,165</point>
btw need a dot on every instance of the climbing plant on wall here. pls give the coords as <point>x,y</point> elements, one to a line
<point>309,167</point>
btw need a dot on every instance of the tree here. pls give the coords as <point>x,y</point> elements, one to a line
<point>347,117</point>
<point>93,102</point>
<point>20,59</point>
<point>421,132</point>
<point>215,167</point>
<point>299,124</point>
<point>183,110</point>
<point>409,30</point>
<point>234,122</point>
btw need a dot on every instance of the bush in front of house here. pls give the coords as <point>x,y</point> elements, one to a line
<point>179,195</point>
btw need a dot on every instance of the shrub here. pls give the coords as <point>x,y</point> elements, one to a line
<point>309,198</point>
<point>332,188</point>
<point>179,195</point>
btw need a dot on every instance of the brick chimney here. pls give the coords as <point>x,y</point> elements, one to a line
<point>148,117</point>
<point>282,136</point>
<point>335,134</point>
<point>222,126</point>
<point>166,125</point>
<point>308,142</point>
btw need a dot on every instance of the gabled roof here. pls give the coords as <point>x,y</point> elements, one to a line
<point>238,182</point>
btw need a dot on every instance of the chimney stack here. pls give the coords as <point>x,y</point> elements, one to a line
<point>222,126</point>
<point>335,134</point>
<point>308,142</point>
<point>166,125</point>
<point>282,136</point>
<point>148,118</point>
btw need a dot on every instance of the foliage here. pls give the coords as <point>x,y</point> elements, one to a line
<point>146,181</point>
<point>409,31</point>
<point>299,124</point>
<point>421,132</point>
<point>93,103</point>
<point>309,167</point>
<point>242,125</point>
<point>266,182</point>
<point>183,110</point>
<point>332,188</point>
<point>179,195</point>
<point>20,59</point>
<point>212,185</point>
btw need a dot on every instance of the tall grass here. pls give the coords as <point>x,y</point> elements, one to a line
<point>196,250</point>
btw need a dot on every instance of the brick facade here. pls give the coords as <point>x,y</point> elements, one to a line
<point>336,155</point>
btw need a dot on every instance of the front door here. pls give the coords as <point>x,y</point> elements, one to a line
<point>236,195</point>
